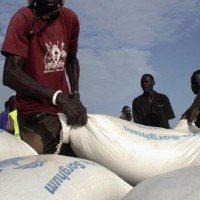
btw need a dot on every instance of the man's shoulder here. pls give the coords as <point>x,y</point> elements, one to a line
<point>4,113</point>
<point>24,10</point>
<point>137,99</point>
<point>142,96</point>
<point>161,95</point>
<point>68,12</point>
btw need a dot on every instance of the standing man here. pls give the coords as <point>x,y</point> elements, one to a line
<point>193,113</point>
<point>40,45</point>
<point>152,108</point>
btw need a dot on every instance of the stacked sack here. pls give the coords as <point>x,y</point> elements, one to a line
<point>132,151</point>
<point>176,185</point>
<point>11,146</point>
<point>45,177</point>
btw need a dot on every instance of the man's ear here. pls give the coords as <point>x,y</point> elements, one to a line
<point>153,82</point>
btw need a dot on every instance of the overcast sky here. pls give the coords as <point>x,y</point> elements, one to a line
<point>120,40</point>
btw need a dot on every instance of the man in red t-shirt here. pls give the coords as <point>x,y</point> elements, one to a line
<point>40,45</point>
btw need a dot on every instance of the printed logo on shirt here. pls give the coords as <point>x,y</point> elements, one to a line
<point>54,59</point>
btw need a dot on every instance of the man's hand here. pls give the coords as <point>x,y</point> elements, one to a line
<point>73,108</point>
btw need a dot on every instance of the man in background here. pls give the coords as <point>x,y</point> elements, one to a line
<point>126,113</point>
<point>192,114</point>
<point>152,108</point>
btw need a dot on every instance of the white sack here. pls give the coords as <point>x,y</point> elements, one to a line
<point>183,184</point>
<point>183,126</point>
<point>45,177</point>
<point>134,152</point>
<point>11,146</point>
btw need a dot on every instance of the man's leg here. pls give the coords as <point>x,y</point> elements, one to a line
<point>44,136</point>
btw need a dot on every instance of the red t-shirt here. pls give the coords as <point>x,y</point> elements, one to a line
<point>45,53</point>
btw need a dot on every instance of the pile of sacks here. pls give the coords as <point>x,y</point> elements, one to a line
<point>117,159</point>
<point>26,175</point>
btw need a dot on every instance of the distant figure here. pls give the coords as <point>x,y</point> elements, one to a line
<point>192,114</point>
<point>126,113</point>
<point>151,108</point>
<point>4,117</point>
<point>12,124</point>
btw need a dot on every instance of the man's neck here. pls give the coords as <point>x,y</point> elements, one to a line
<point>149,94</point>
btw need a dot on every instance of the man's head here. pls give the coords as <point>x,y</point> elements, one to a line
<point>46,7</point>
<point>6,105</point>
<point>126,110</point>
<point>195,82</point>
<point>12,103</point>
<point>147,83</point>
<point>32,2</point>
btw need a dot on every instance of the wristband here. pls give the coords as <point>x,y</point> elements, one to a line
<point>55,97</point>
<point>75,92</point>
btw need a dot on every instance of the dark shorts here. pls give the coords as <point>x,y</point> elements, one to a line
<point>43,135</point>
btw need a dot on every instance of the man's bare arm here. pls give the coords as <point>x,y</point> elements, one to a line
<point>192,113</point>
<point>17,80</point>
<point>73,72</point>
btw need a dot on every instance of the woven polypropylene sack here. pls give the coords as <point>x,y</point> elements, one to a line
<point>182,184</point>
<point>134,152</point>
<point>45,177</point>
<point>11,146</point>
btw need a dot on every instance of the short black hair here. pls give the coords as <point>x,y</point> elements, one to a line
<point>149,75</point>
<point>6,104</point>
<point>196,72</point>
